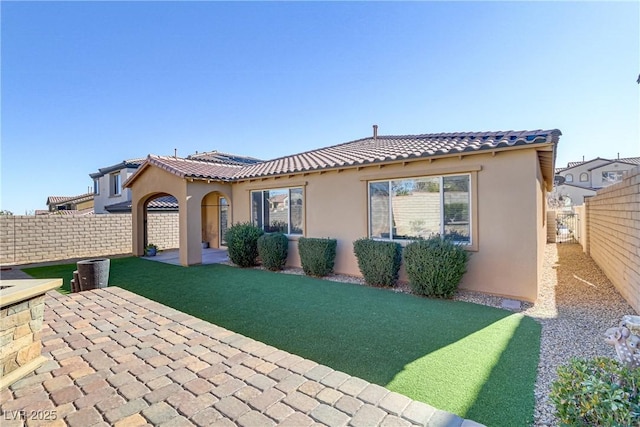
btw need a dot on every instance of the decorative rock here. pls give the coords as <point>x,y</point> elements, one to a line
<point>625,343</point>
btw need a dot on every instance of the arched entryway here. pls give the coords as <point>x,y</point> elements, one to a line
<point>161,221</point>
<point>193,195</point>
<point>216,218</point>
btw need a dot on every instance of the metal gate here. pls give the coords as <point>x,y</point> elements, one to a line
<point>567,227</point>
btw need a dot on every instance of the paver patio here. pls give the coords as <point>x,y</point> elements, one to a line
<point>117,358</point>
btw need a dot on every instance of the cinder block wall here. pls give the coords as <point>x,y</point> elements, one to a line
<point>163,230</point>
<point>30,239</point>
<point>613,230</point>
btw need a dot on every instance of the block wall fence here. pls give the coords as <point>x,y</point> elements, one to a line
<point>613,234</point>
<point>32,239</point>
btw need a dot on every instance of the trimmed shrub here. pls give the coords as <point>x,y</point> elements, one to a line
<point>242,243</point>
<point>435,266</point>
<point>317,256</point>
<point>379,261</point>
<point>597,392</point>
<point>273,249</point>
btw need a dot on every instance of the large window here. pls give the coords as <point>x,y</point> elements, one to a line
<point>611,177</point>
<point>413,208</point>
<point>278,210</point>
<point>114,184</point>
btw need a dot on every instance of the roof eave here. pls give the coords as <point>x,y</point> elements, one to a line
<point>129,182</point>
<point>407,159</point>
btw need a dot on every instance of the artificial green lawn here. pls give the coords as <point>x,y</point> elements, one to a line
<point>478,362</point>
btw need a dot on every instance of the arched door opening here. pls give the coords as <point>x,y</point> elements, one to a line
<point>161,225</point>
<point>216,219</point>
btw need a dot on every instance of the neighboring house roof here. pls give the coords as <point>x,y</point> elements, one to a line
<point>578,186</point>
<point>622,161</point>
<point>224,158</point>
<point>131,163</point>
<point>58,200</point>
<point>73,212</point>
<point>571,165</point>
<point>366,151</point>
<point>164,203</point>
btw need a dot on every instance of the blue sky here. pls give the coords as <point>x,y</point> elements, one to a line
<point>88,84</point>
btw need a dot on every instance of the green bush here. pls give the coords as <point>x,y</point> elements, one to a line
<point>379,261</point>
<point>317,256</point>
<point>597,392</point>
<point>435,266</point>
<point>273,249</point>
<point>242,243</point>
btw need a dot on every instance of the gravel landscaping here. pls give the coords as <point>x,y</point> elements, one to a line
<point>576,304</point>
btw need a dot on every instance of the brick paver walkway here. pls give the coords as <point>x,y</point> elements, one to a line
<point>120,359</point>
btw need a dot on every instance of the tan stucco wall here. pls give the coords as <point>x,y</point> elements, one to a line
<point>31,239</point>
<point>507,206</point>
<point>613,234</point>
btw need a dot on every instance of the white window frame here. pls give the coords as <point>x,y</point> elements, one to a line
<point>470,243</point>
<point>115,184</point>
<point>619,175</point>
<point>568,177</point>
<point>96,186</point>
<point>586,177</point>
<point>288,206</point>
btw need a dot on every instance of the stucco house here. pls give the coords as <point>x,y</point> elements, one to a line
<point>488,189</point>
<point>585,178</point>
<point>69,205</point>
<point>111,197</point>
<point>107,185</point>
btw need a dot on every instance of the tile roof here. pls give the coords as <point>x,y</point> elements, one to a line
<point>388,148</point>
<point>224,158</point>
<point>131,163</point>
<point>355,153</point>
<point>188,168</point>
<point>73,212</point>
<point>55,200</point>
<point>630,160</point>
<point>164,203</point>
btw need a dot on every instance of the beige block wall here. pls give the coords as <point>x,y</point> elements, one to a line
<point>32,239</point>
<point>613,230</point>
<point>582,224</point>
<point>507,214</point>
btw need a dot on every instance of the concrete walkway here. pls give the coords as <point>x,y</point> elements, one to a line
<point>172,256</point>
<point>120,359</point>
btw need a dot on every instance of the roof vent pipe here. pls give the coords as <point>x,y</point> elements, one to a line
<point>175,153</point>
<point>375,132</point>
<point>618,155</point>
